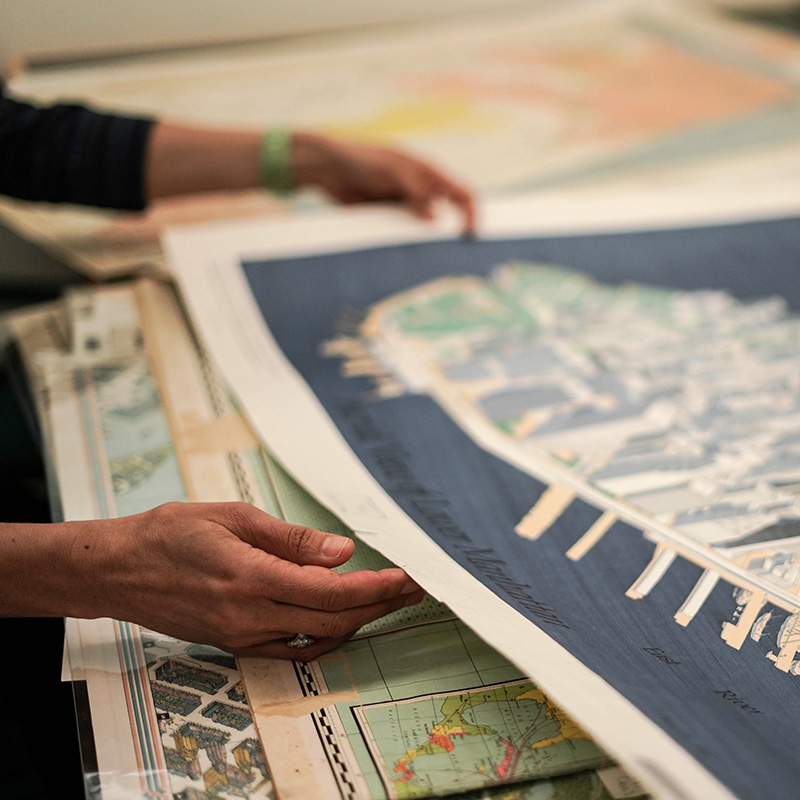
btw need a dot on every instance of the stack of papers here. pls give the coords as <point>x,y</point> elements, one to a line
<point>141,418</point>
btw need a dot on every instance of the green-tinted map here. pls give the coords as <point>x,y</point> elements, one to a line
<point>136,437</point>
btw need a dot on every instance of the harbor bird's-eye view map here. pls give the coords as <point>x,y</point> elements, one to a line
<point>600,428</point>
<point>678,411</point>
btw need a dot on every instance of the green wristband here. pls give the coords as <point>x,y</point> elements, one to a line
<point>275,160</point>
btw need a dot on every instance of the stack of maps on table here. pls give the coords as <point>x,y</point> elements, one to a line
<point>417,705</point>
<point>579,432</point>
<point>590,461</point>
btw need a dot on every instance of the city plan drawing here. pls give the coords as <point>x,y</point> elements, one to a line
<point>599,428</point>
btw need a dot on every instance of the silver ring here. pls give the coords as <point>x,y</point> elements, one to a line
<point>300,640</point>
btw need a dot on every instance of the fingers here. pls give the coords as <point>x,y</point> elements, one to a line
<point>338,623</point>
<point>325,590</point>
<point>464,201</point>
<point>280,623</point>
<point>251,578</point>
<point>423,185</point>
<point>305,546</point>
<point>352,173</point>
<point>327,630</point>
<point>293,565</point>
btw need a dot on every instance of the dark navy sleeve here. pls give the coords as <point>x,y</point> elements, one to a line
<point>72,154</point>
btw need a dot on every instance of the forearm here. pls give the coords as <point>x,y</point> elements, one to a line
<point>73,154</point>
<point>50,570</point>
<point>183,160</point>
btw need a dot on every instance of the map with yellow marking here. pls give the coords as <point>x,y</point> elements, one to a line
<point>459,741</point>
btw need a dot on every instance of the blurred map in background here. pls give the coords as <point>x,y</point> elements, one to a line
<point>575,93</point>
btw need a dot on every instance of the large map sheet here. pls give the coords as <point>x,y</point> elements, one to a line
<point>611,471</point>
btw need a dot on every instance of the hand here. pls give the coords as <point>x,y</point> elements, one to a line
<point>353,173</point>
<point>230,575</point>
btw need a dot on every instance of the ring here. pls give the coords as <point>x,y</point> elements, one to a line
<point>300,640</point>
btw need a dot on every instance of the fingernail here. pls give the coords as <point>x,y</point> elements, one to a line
<point>410,588</point>
<point>333,546</point>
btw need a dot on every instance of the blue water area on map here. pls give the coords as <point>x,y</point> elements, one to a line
<point>470,501</point>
